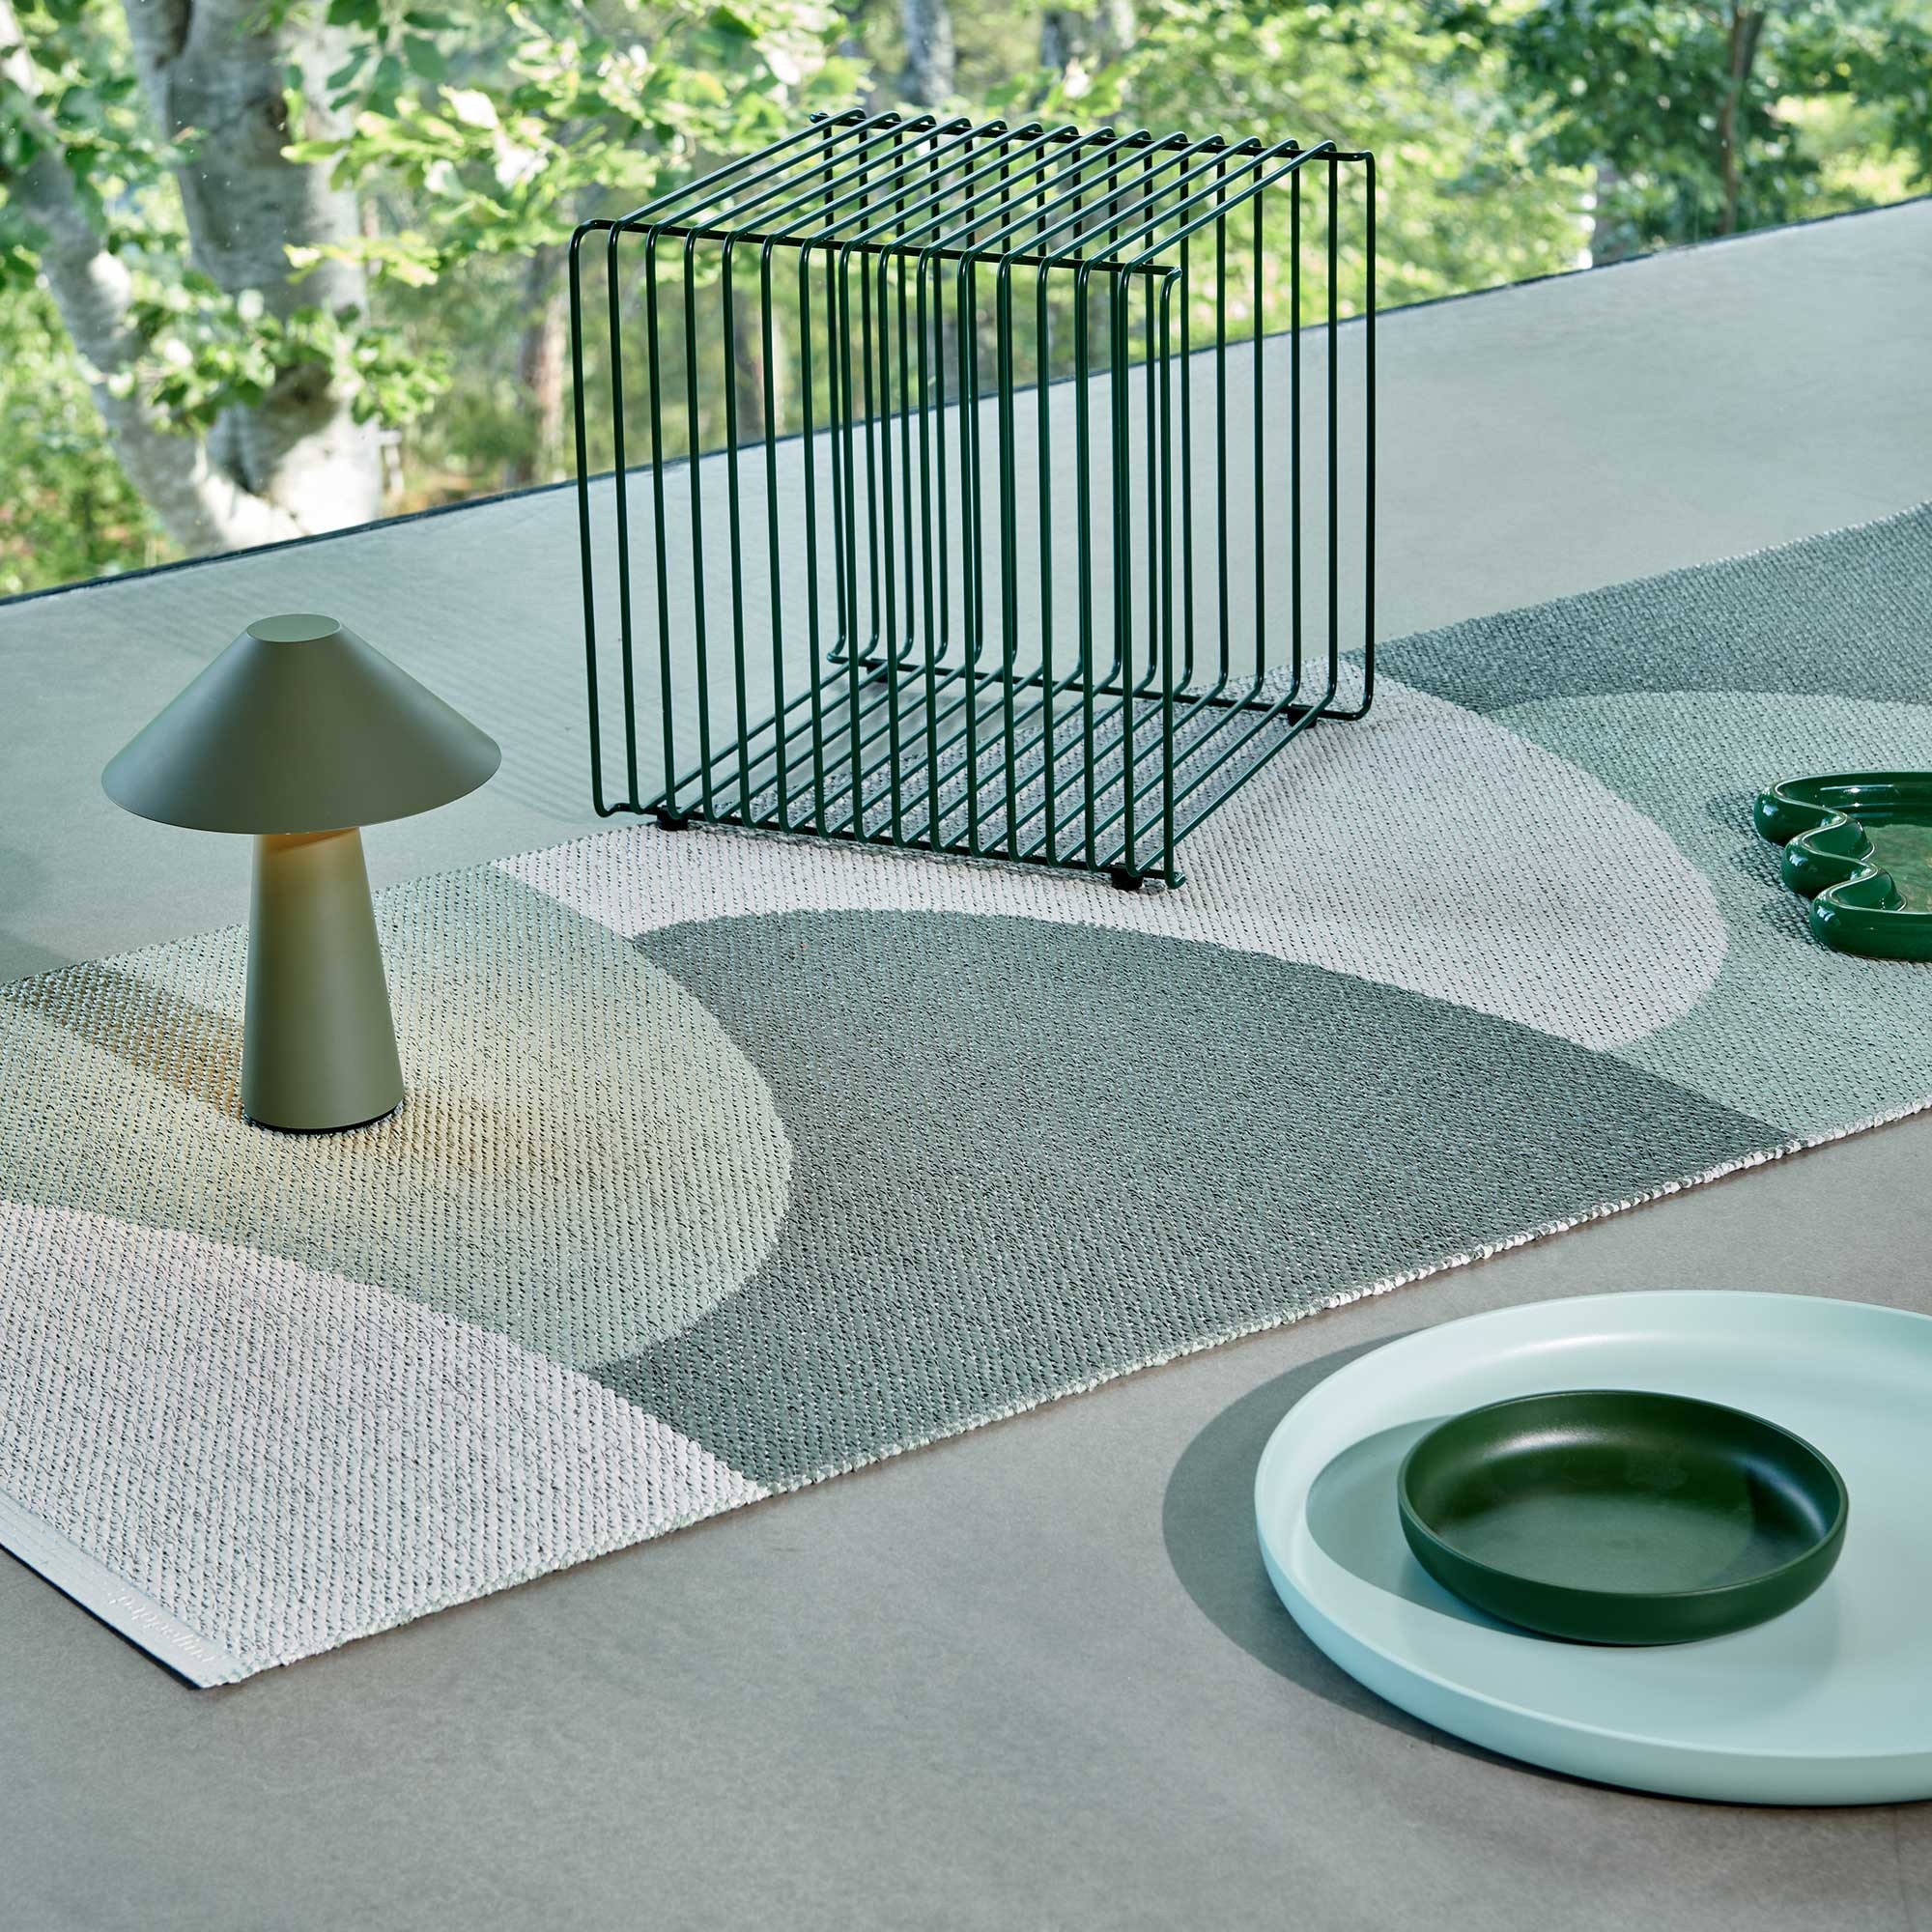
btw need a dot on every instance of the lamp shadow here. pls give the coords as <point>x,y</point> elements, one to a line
<point>1207,1524</point>
<point>156,1032</point>
<point>22,880</point>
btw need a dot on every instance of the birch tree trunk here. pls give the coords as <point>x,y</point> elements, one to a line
<point>1095,39</point>
<point>297,462</point>
<point>930,65</point>
<point>1609,241</point>
<point>541,369</point>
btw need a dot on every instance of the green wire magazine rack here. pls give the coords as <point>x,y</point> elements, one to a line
<point>1002,490</point>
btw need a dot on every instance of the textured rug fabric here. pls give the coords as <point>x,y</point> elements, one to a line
<point>731,1163</point>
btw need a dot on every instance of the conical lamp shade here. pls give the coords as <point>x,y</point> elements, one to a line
<point>298,725</point>
<point>298,728</point>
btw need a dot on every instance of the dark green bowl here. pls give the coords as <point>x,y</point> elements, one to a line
<point>1859,846</point>
<point>1617,1516</point>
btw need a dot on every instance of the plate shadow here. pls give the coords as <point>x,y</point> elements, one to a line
<point>1207,1524</point>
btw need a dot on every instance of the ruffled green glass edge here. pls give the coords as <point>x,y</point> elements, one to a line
<point>1856,907</point>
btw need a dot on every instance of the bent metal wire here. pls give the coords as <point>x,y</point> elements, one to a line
<point>1014,564</point>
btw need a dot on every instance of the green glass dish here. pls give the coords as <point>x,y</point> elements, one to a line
<point>1859,846</point>
<point>1622,1517</point>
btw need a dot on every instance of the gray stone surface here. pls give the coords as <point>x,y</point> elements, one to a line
<point>1032,1676</point>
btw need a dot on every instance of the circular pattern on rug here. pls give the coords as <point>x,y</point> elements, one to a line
<point>586,1162</point>
<point>1024,1151</point>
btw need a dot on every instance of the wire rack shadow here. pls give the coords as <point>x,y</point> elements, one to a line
<point>1005,490</point>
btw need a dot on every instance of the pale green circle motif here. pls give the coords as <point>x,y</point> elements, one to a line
<point>585,1163</point>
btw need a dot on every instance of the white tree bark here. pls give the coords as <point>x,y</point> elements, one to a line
<point>297,463</point>
<point>1095,39</point>
<point>930,62</point>
<point>1608,240</point>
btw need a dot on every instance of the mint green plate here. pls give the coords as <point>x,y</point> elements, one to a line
<point>1824,1705</point>
<point>1859,846</point>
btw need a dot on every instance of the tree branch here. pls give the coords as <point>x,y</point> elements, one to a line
<point>1745,29</point>
<point>93,292</point>
<point>211,66</point>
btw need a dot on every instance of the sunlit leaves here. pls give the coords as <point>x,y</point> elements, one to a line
<point>1643,91</point>
<point>1462,204</point>
<point>204,352</point>
<point>68,511</point>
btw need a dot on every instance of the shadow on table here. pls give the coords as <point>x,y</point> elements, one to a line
<point>23,882</point>
<point>1207,1522</point>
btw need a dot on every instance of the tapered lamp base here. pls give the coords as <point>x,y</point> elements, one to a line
<point>320,1051</point>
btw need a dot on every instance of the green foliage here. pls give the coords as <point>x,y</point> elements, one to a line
<point>90,111</point>
<point>1460,204</point>
<point>68,511</point>
<point>492,131</point>
<point>206,351</point>
<point>477,135</point>
<point>202,350</point>
<point>1652,92</point>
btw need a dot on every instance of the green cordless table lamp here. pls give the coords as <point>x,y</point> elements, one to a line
<point>301,733</point>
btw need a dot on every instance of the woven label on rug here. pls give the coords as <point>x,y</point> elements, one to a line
<point>730,1163</point>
